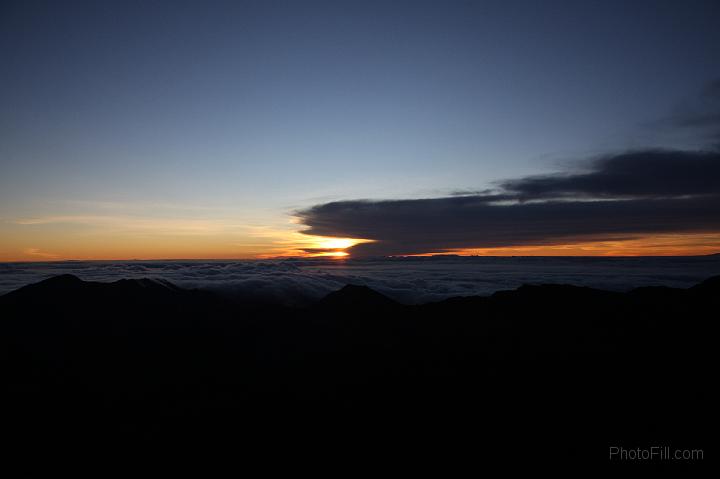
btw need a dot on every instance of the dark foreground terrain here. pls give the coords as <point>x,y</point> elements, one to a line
<point>141,368</point>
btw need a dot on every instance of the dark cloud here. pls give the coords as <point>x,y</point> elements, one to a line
<point>708,119</point>
<point>701,116</point>
<point>638,174</point>
<point>621,196</point>
<point>617,196</point>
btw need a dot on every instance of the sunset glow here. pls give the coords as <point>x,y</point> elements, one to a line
<point>97,244</point>
<point>658,245</point>
<point>106,237</point>
<point>251,131</point>
<point>257,233</point>
<point>300,245</point>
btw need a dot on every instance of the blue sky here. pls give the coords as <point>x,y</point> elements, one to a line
<point>241,112</point>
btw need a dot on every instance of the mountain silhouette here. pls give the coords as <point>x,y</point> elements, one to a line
<point>710,286</point>
<point>553,372</point>
<point>356,296</point>
<point>68,286</point>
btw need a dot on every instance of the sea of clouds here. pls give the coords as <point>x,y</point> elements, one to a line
<point>408,280</point>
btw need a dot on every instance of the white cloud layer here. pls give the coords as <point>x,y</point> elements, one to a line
<point>408,280</point>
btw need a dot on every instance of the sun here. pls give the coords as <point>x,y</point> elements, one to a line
<point>329,247</point>
<point>335,254</point>
<point>335,243</point>
<point>297,244</point>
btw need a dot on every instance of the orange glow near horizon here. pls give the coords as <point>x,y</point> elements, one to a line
<point>335,254</point>
<point>654,245</point>
<point>309,246</point>
<point>122,238</point>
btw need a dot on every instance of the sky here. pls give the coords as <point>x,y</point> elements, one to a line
<point>210,129</point>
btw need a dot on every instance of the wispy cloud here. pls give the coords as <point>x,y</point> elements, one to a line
<point>700,117</point>
<point>155,225</point>
<point>40,254</point>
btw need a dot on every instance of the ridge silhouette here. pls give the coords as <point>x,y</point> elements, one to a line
<point>547,372</point>
<point>359,296</point>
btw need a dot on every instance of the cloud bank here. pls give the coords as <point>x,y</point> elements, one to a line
<point>619,196</point>
<point>408,280</point>
<point>646,174</point>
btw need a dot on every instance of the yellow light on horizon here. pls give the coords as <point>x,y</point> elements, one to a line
<point>297,244</point>
<point>336,243</point>
<point>333,254</point>
<point>329,247</point>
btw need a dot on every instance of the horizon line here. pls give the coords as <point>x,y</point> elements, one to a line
<point>341,259</point>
